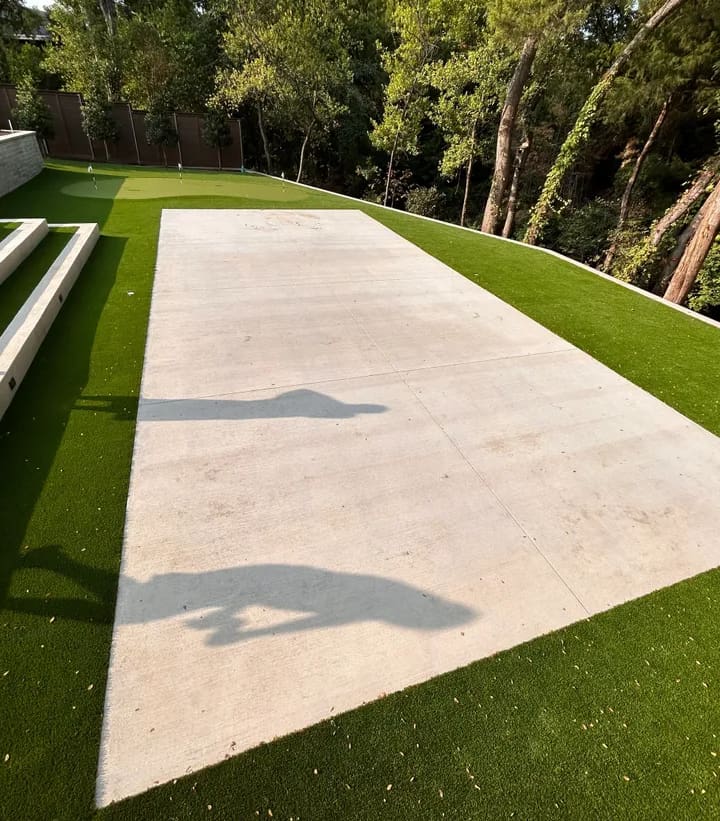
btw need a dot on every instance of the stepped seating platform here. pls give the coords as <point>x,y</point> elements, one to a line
<point>22,338</point>
<point>19,245</point>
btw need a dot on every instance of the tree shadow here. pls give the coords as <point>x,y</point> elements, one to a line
<point>289,405</point>
<point>34,425</point>
<point>215,601</point>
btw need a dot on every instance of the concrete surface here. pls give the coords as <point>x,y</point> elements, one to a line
<point>354,470</point>
<point>22,338</point>
<point>20,244</point>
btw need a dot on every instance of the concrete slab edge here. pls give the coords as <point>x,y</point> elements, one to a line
<point>22,338</point>
<point>20,244</point>
<point>537,248</point>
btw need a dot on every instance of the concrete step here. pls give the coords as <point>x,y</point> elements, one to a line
<point>24,335</point>
<point>20,244</point>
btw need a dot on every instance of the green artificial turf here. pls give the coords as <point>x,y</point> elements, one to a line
<point>6,228</point>
<point>18,286</point>
<point>615,717</point>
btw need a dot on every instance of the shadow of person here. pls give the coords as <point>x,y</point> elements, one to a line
<point>291,404</point>
<point>215,601</point>
<point>100,584</point>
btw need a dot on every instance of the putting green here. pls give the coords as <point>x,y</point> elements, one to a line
<point>192,185</point>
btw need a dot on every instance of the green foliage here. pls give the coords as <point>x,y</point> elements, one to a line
<point>583,232</point>
<point>159,125</point>
<point>170,48</point>
<point>637,261</point>
<point>416,26</point>
<point>216,129</point>
<point>31,113</point>
<point>575,141</point>
<point>23,61</point>
<point>82,52</point>
<point>470,87</point>
<point>705,296</point>
<point>98,122</point>
<point>289,57</point>
<point>424,201</point>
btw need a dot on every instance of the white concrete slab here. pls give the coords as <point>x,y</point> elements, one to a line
<point>354,470</point>
<point>23,337</point>
<point>20,244</point>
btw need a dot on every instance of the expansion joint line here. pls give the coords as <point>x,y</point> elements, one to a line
<point>483,479</point>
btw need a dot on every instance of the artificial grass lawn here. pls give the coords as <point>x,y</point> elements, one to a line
<point>17,288</point>
<point>615,717</point>
<point>6,228</point>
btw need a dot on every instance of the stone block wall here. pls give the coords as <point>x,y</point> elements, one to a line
<point>20,159</point>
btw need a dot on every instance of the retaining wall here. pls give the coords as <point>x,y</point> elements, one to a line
<point>20,159</point>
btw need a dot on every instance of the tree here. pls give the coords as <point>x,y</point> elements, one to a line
<point>98,122</point>
<point>523,27</point>
<point>520,160</point>
<point>468,87</point>
<point>84,52</point>
<point>405,104</point>
<point>632,181</point>
<point>216,131</point>
<point>16,60</point>
<point>170,48</point>
<point>503,155</point>
<point>159,126</point>
<point>580,133</point>
<point>698,247</point>
<point>289,59</point>
<point>31,113</point>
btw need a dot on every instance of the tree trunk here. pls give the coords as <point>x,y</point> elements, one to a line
<point>627,193</point>
<point>672,261</point>
<point>520,158</point>
<point>686,201</point>
<point>468,174</point>
<point>302,153</point>
<point>107,153</point>
<point>580,133</point>
<point>503,156</point>
<point>390,166</point>
<point>107,8</point>
<point>219,153</point>
<point>697,249</point>
<point>263,136</point>
<point>164,153</point>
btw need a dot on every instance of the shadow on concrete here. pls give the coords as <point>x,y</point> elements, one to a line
<point>215,601</point>
<point>292,404</point>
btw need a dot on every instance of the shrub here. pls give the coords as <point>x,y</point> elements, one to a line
<point>583,232</point>
<point>31,113</point>
<point>159,126</point>
<point>98,122</point>
<point>424,201</point>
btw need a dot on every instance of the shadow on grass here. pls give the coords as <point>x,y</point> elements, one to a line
<point>214,601</point>
<point>33,427</point>
<point>32,200</point>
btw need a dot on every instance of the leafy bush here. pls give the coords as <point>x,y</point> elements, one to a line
<point>424,201</point>
<point>159,126</point>
<point>705,296</point>
<point>30,112</point>
<point>98,122</point>
<point>216,129</point>
<point>583,232</point>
